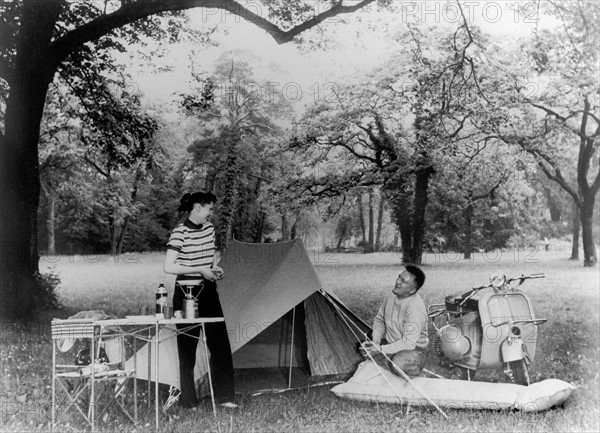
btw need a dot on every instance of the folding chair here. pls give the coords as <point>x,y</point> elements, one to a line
<point>85,382</point>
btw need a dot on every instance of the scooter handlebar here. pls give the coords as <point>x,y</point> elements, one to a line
<point>522,278</point>
<point>526,277</point>
<point>510,280</point>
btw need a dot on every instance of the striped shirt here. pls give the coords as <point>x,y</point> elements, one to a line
<point>195,245</point>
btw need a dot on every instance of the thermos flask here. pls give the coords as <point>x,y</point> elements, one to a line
<point>161,300</point>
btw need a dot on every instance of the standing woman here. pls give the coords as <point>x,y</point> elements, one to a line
<point>191,256</point>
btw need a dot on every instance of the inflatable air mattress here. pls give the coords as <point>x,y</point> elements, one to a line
<point>375,384</point>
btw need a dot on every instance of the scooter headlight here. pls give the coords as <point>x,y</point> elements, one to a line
<point>497,279</point>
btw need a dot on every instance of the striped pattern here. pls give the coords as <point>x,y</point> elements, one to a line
<point>195,245</point>
<point>72,329</point>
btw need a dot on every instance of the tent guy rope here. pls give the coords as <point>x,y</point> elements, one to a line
<point>348,323</point>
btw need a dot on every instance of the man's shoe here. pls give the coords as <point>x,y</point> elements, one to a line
<point>229,405</point>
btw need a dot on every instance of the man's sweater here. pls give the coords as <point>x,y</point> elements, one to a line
<point>403,324</point>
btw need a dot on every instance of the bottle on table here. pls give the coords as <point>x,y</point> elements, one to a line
<point>161,300</point>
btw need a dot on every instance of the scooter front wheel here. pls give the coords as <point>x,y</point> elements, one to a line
<point>520,373</point>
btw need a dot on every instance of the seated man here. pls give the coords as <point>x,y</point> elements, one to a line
<point>400,327</point>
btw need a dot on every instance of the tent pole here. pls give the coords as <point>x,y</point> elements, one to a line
<point>349,321</point>
<point>292,348</point>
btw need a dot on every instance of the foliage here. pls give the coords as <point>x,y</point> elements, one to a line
<point>236,149</point>
<point>406,126</point>
<point>92,117</point>
<point>553,113</point>
<point>486,190</point>
<point>47,298</point>
<point>37,40</point>
<point>106,130</point>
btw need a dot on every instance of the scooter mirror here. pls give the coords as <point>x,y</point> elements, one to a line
<point>497,279</point>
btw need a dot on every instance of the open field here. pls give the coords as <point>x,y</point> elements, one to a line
<point>568,344</point>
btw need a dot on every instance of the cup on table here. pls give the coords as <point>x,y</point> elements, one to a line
<point>168,312</point>
<point>178,314</point>
<point>144,311</point>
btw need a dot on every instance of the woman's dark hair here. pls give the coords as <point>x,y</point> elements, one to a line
<point>186,204</point>
<point>418,274</point>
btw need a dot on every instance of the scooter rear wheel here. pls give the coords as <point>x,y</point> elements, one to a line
<point>520,372</point>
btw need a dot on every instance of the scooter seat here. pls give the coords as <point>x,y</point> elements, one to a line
<point>453,304</point>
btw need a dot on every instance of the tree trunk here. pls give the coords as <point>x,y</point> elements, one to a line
<point>121,241</point>
<point>259,227</point>
<point>369,247</point>
<point>423,174</point>
<point>402,213</point>
<point>259,219</point>
<point>230,197</point>
<point>139,175</point>
<point>361,218</point>
<point>379,223</point>
<point>50,224</point>
<point>113,228</point>
<point>19,171</point>
<point>341,238</point>
<point>553,206</point>
<point>284,227</point>
<point>587,234</point>
<point>575,232</point>
<point>468,214</point>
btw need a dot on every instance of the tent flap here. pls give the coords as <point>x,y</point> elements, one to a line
<point>331,344</point>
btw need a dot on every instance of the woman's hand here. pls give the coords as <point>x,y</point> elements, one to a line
<point>208,274</point>
<point>218,272</point>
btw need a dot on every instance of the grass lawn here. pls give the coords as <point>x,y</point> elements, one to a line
<point>568,346</point>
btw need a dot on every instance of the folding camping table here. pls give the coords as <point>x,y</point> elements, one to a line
<point>138,326</point>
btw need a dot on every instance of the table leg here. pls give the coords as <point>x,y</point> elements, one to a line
<point>210,385</point>
<point>53,383</point>
<point>149,393</point>
<point>91,413</point>
<point>135,409</point>
<point>156,342</point>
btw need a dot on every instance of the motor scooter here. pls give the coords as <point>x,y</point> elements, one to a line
<point>488,327</point>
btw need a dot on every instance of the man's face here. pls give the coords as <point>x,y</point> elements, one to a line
<point>405,285</point>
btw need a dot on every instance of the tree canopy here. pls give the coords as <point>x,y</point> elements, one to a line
<point>40,38</point>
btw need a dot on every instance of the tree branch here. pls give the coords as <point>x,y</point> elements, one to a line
<point>491,191</point>
<point>344,144</point>
<point>95,166</point>
<point>549,111</point>
<point>458,128</point>
<point>586,113</point>
<point>543,159</point>
<point>134,11</point>
<point>557,175</point>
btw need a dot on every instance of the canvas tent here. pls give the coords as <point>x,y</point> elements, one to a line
<point>284,329</point>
